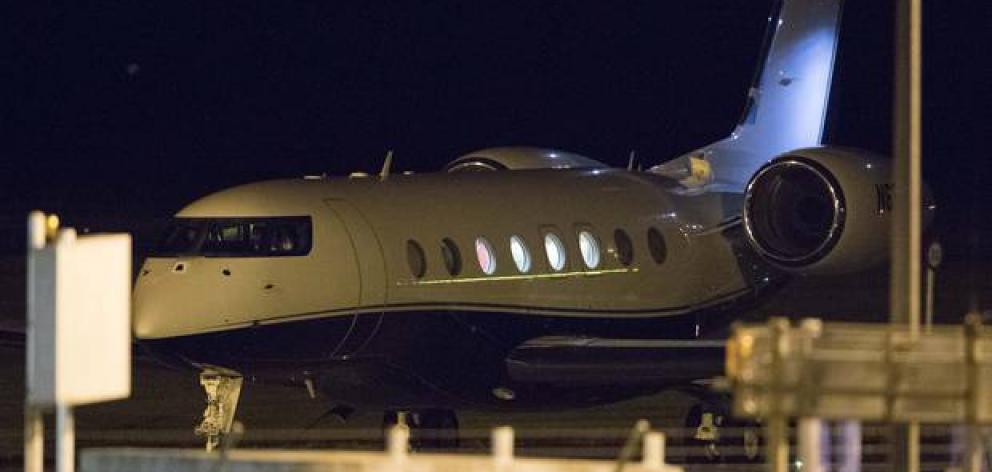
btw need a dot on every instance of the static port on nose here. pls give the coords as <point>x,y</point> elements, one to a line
<point>226,272</point>
<point>179,267</point>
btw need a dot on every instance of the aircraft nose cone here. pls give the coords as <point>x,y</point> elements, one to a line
<point>145,318</point>
<point>170,303</point>
<point>143,329</point>
<point>156,306</point>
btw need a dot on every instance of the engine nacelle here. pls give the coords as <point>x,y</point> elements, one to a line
<point>821,210</point>
<point>520,157</point>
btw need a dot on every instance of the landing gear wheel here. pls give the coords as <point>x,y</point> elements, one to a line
<point>703,426</point>
<point>430,429</point>
<point>752,443</point>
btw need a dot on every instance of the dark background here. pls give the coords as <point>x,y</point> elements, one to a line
<point>116,114</point>
<point>126,111</point>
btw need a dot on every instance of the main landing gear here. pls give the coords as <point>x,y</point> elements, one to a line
<point>223,388</point>
<point>430,429</point>
<point>711,429</point>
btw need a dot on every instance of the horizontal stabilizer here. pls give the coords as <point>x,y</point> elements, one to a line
<point>583,361</point>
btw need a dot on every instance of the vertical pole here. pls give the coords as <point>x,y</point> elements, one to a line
<point>34,439</point>
<point>851,446</point>
<point>502,445</point>
<point>810,441</point>
<point>904,294</point>
<point>827,446</point>
<point>975,452</point>
<point>777,452</point>
<point>630,446</point>
<point>34,428</point>
<point>928,314</point>
<point>398,442</point>
<point>934,255</point>
<point>65,439</point>
<point>653,451</point>
<point>904,299</point>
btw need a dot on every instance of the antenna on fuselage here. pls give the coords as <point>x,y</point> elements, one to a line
<point>384,173</point>
<point>632,160</point>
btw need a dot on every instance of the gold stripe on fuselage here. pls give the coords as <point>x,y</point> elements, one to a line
<point>499,278</point>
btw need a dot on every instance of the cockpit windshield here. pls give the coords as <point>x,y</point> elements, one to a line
<point>236,237</point>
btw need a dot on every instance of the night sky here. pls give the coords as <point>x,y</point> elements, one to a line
<point>129,110</point>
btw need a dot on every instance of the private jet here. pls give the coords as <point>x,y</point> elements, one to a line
<point>517,277</point>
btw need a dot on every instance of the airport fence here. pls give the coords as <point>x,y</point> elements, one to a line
<point>940,449</point>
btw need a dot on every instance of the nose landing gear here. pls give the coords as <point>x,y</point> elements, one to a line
<point>223,389</point>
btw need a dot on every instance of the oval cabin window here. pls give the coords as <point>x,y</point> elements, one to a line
<point>589,247</point>
<point>555,251</point>
<point>415,258</point>
<point>452,256</point>
<point>521,256</point>
<point>625,248</point>
<point>656,244</point>
<point>484,253</point>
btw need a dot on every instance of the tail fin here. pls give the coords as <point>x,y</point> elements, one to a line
<point>787,102</point>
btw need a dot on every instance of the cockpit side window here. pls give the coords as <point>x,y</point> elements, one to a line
<point>182,237</point>
<point>237,237</point>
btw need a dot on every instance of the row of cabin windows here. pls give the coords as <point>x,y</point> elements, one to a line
<point>554,252</point>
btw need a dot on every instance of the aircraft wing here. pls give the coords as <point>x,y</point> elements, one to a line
<point>579,361</point>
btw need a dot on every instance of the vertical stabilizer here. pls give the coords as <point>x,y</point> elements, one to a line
<point>787,103</point>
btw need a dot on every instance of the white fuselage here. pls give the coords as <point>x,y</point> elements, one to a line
<point>361,258</point>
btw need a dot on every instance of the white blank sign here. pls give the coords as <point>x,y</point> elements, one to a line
<point>79,323</point>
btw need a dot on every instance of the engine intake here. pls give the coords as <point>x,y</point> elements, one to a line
<point>820,210</point>
<point>795,212</point>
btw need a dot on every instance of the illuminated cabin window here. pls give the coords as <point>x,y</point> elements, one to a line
<point>484,253</point>
<point>521,256</point>
<point>589,248</point>
<point>656,245</point>
<point>555,251</point>
<point>415,258</point>
<point>625,248</point>
<point>237,237</point>
<point>452,256</point>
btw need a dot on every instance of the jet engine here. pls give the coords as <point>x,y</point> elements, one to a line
<point>820,210</point>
